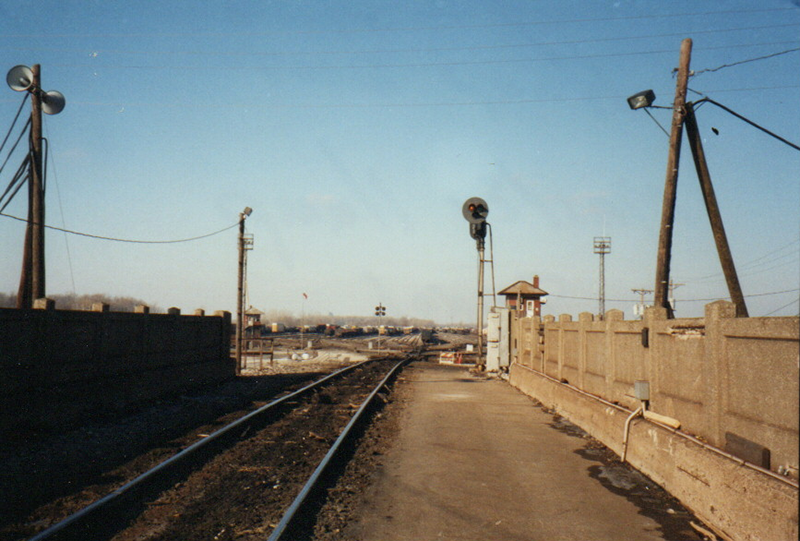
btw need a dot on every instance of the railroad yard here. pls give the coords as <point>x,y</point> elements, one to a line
<point>47,477</point>
<point>266,436</point>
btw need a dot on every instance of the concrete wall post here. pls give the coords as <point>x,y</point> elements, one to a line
<point>563,318</point>
<point>611,322</point>
<point>715,313</point>
<point>585,320</point>
<point>44,304</point>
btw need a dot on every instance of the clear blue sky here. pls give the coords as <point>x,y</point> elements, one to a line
<point>356,130</point>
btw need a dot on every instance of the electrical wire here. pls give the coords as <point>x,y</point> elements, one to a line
<point>682,300</point>
<point>48,159</point>
<point>250,67</point>
<point>491,259</point>
<point>748,264</point>
<point>23,170</point>
<point>21,105</point>
<point>11,152</point>
<point>709,70</point>
<point>132,241</point>
<point>410,28</point>
<point>207,54</point>
<point>782,307</point>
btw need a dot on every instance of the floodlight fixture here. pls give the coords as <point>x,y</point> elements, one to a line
<point>19,78</point>
<point>642,99</point>
<point>53,102</point>
<point>247,211</point>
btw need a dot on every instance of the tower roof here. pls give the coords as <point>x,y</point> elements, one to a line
<point>524,289</point>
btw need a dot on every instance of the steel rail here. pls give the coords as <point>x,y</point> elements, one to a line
<point>68,525</point>
<point>300,500</point>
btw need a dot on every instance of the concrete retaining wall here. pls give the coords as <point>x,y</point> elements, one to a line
<point>738,500</point>
<point>732,383</point>
<point>59,366</point>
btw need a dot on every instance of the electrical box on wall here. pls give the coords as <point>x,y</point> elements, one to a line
<point>641,390</point>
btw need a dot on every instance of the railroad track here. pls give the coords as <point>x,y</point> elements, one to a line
<point>253,478</point>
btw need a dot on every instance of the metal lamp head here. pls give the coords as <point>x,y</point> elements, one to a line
<point>53,102</point>
<point>642,99</point>
<point>20,78</point>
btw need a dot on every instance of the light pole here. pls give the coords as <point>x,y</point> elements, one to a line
<point>32,279</point>
<point>602,246</point>
<point>684,115</point>
<point>240,290</point>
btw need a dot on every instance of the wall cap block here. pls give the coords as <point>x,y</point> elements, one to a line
<point>44,304</point>
<point>655,313</point>
<point>615,315</point>
<point>720,309</point>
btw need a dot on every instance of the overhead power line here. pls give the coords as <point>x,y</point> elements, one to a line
<point>409,28</point>
<point>523,101</point>
<point>724,66</point>
<point>682,300</point>
<point>250,53</point>
<point>795,301</point>
<point>757,262</point>
<point>113,239</point>
<point>251,67</point>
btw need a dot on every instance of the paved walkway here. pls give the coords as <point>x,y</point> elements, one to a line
<point>476,460</point>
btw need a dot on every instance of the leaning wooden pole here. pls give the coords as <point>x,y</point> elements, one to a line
<point>714,215</point>
<point>671,183</point>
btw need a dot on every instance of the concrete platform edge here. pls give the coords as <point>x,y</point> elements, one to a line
<point>739,502</point>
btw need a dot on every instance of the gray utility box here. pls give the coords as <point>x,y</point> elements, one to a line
<point>498,338</point>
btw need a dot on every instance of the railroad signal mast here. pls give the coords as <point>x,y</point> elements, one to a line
<point>380,311</point>
<point>475,210</point>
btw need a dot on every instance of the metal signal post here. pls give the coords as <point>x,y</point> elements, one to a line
<point>380,311</point>
<point>475,211</point>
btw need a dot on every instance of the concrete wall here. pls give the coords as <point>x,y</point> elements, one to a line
<point>58,366</point>
<point>741,502</point>
<point>731,382</point>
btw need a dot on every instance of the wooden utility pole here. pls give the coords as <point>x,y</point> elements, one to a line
<point>714,216</point>
<point>661,297</point>
<point>37,190</point>
<point>32,277</point>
